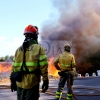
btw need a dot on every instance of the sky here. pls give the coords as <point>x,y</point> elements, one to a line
<point>56,19</point>
<point>15,15</point>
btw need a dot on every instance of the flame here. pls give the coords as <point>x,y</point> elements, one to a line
<point>51,68</point>
<point>5,67</point>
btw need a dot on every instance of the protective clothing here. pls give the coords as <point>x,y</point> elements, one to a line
<point>31,61</point>
<point>13,85</point>
<point>28,94</point>
<point>36,59</point>
<point>67,47</point>
<point>45,86</point>
<point>31,29</point>
<point>66,62</point>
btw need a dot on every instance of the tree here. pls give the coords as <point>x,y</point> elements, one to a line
<point>7,57</point>
<point>2,59</point>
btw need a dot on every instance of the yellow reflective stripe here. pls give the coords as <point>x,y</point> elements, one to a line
<point>43,63</point>
<point>73,62</point>
<point>31,64</point>
<point>16,64</point>
<point>69,98</point>
<point>58,92</point>
<point>58,97</point>
<point>69,94</point>
<point>68,65</point>
<point>42,57</point>
<point>27,64</point>
<point>16,69</point>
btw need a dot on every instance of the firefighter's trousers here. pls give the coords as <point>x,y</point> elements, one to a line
<point>61,85</point>
<point>28,94</point>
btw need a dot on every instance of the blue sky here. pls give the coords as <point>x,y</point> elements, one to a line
<point>15,15</point>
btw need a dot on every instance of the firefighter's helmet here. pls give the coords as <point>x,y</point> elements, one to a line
<point>67,47</point>
<point>30,29</point>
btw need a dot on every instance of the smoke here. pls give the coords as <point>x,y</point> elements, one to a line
<point>79,23</point>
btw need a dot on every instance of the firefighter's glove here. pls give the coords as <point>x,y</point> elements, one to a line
<point>13,85</point>
<point>45,86</point>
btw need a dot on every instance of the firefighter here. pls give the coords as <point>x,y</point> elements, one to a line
<point>29,64</point>
<point>65,63</point>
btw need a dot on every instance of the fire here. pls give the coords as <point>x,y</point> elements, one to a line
<point>5,67</point>
<point>51,69</point>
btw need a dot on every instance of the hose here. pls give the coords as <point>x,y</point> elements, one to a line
<point>68,80</point>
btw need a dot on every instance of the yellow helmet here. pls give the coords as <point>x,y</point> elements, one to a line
<point>67,47</point>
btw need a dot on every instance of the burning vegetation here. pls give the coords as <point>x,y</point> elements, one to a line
<point>51,68</point>
<point>5,69</point>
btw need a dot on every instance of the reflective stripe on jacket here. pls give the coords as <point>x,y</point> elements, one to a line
<point>35,58</point>
<point>65,61</point>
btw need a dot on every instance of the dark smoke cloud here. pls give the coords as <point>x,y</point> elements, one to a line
<point>78,22</point>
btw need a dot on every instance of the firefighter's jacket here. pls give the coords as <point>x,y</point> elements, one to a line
<point>65,61</point>
<point>35,58</point>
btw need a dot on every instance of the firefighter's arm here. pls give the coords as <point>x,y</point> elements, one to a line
<point>43,63</point>
<point>12,69</point>
<point>73,62</point>
<point>44,69</point>
<point>56,62</point>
